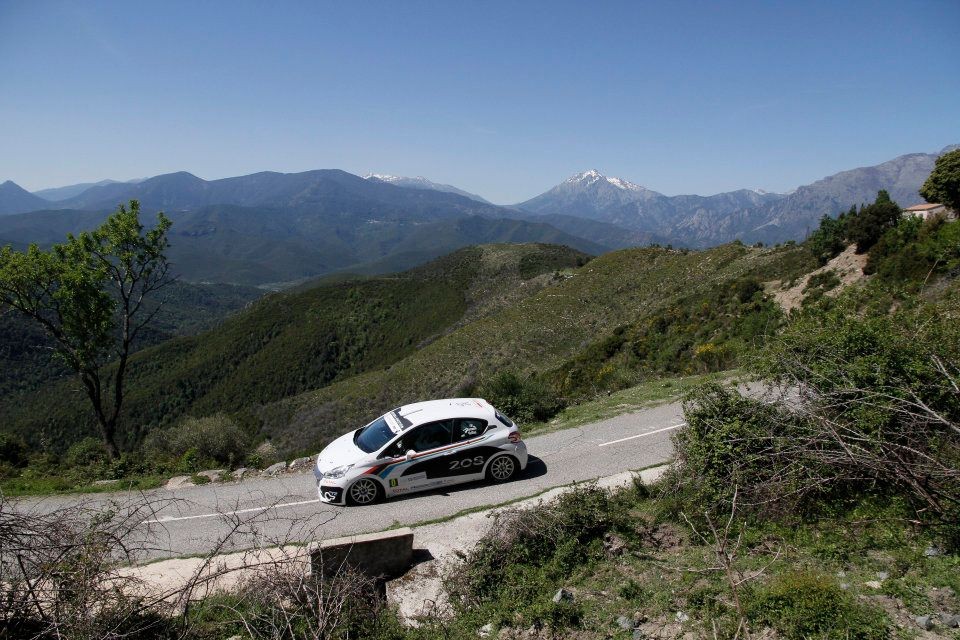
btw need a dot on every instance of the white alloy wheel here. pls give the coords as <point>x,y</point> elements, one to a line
<point>502,468</point>
<point>364,491</point>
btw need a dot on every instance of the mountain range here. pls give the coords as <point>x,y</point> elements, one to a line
<point>747,215</point>
<point>271,228</point>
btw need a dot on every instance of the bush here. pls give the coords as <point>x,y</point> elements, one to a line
<point>263,456</point>
<point>13,450</point>
<point>89,452</point>
<point>523,399</point>
<point>200,440</point>
<point>915,249</point>
<point>878,390</point>
<point>519,564</point>
<point>818,285</point>
<point>730,443</point>
<point>805,604</point>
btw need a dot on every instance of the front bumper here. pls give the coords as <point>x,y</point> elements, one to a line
<point>331,490</point>
<point>331,494</point>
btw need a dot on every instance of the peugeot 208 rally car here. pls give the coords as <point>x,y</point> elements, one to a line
<point>420,446</point>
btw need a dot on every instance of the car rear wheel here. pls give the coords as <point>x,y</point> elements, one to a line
<point>364,491</point>
<point>501,468</point>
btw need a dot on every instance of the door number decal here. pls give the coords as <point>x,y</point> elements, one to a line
<point>466,463</point>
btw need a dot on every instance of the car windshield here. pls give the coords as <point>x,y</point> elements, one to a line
<point>373,436</point>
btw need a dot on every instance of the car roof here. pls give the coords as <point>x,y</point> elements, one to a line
<point>413,415</point>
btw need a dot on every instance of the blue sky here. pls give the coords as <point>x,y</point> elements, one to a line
<point>503,99</point>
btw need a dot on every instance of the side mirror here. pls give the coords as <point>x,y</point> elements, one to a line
<point>410,454</point>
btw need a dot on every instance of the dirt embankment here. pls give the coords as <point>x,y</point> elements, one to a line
<point>848,267</point>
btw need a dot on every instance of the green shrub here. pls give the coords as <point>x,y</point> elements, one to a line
<point>523,399</point>
<point>695,335</point>
<point>89,452</point>
<point>200,440</point>
<point>519,564</point>
<point>13,450</point>
<point>818,285</point>
<point>730,443</point>
<point>911,252</point>
<point>806,604</point>
<point>746,288</point>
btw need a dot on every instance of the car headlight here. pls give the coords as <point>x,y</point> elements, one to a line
<point>338,472</point>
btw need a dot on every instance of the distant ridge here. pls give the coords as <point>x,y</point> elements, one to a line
<point>16,199</point>
<point>420,182</point>
<point>56,194</point>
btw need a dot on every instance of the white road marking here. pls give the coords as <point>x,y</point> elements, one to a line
<point>640,435</point>
<point>164,519</point>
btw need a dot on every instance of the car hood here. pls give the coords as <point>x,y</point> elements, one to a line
<point>340,452</point>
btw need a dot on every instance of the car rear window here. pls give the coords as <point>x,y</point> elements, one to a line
<point>507,422</point>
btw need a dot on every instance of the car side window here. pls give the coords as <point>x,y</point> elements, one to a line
<point>468,428</point>
<point>395,450</point>
<point>429,436</point>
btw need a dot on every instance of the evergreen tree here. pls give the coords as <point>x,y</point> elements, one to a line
<point>943,185</point>
<point>872,221</point>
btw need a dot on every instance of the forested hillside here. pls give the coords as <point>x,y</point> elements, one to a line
<point>289,343</point>
<point>541,334</point>
<point>27,362</point>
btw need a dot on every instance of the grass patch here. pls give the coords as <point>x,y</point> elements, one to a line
<point>52,485</point>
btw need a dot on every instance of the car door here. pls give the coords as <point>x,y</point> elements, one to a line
<point>469,453</point>
<point>426,467</point>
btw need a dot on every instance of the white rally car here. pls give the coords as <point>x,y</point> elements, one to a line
<point>420,446</point>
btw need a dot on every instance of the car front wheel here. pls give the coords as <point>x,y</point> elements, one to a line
<point>364,491</point>
<point>501,469</point>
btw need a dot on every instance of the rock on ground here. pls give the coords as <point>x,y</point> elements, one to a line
<point>214,475</point>
<point>301,464</point>
<point>178,482</point>
<point>275,469</point>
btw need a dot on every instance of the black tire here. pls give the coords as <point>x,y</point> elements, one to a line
<point>502,468</point>
<point>363,492</point>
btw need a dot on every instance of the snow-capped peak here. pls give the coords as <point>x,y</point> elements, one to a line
<point>625,184</point>
<point>383,177</point>
<point>586,176</point>
<point>592,176</point>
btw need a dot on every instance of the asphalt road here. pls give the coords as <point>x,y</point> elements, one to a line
<point>270,511</point>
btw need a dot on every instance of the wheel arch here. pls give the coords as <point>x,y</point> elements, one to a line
<point>516,461</point>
